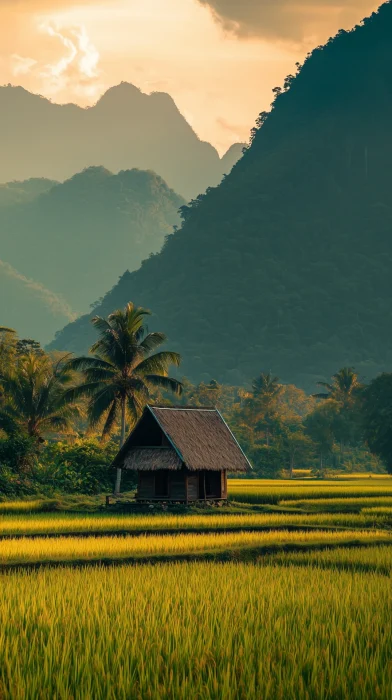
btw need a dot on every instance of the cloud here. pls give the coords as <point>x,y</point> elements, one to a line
<point>51,5</point>
<point>76,68</point>
<point>287,19</point>
<point>21,65</point>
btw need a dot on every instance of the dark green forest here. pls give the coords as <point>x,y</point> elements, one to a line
<point>287,263</point>
<point>63,418</point>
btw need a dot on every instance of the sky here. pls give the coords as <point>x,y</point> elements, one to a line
<point>218,59</point>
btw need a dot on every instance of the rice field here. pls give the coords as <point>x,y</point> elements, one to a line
<point>336,504</point>
<point>54,524</point>
<point>86,549</point>
<point>195,631</point>
<point>372,559</point>
<point>286,598</point>
<point>267,491</point>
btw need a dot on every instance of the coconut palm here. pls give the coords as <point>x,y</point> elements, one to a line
<point>33,396</point>
<point>123,370</point>
<point>262,403</point>
<point>343,389</point>
<point>266,388</point>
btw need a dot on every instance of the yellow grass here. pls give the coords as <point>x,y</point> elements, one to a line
<point>69,549</point>
<point>378,510</point>
<point>361,502</point>
<point>367,559</point>
<point>60,523</point>
<point>275,491</point>
<point>195,632</point>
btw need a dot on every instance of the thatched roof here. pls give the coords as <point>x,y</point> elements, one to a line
<point>199,437</point>
<point>152,458</point>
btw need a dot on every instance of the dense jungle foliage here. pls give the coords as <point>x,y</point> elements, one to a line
<point>287,263</point>
<point>62,421</point>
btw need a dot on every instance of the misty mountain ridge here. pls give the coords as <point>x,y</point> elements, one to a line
<point>28,307</point>
<point>287,264</point>
<point>125,129</point>
<point>17,192</point>
<point>75,238</point>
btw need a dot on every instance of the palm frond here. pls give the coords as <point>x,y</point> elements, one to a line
<point>8,423</point>
<point>158,363</point>
<point>100,403</point>
<point>111,420</point>
<point>166,383</point>
<point>82,391</point>
<point>326,385</point>
<point>81,364</point>
<point>152,341</point>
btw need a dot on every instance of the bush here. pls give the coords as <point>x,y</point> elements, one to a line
<point>81,467</point>
<point>18,455</point>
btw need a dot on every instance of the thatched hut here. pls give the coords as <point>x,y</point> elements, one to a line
<point>182,454</point>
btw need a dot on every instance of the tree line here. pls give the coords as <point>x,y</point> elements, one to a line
<point>63,418</point>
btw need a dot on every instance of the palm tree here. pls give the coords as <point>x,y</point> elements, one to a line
<point>8,340</point>
<point>123,370</point>
<point>343,389</point>
<point>266,390</point>
<point>33,396</point>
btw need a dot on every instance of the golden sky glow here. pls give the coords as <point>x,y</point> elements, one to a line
<point>220,69</point>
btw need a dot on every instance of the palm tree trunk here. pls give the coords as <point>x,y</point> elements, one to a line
<point>122,441</point>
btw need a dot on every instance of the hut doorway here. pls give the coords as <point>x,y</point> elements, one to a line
<point>210,485</point>
<point>161,484</point>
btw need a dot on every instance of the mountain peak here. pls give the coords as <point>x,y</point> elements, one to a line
<point>296,242</point>
<point>122,93</point>
<point>127,128</point>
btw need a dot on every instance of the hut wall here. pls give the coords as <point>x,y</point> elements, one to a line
<point>146,485</point>
<point>193,486</point>
<point>224,484</point>
<point>177,486</point>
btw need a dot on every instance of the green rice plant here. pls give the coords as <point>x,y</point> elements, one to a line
<point>32,506</point>
<point>378,510</point>
<point>84,549</point>
<point>331,505</point>
<point>95,524</point>
<point>367,559</point>
<point>203,630</point>
<point>273,491</point>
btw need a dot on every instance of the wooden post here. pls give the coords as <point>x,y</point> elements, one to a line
<point>108,500</point>
<point>204,485</point>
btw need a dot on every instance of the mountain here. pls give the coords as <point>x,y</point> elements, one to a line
<point>287,264</point>
<point>125,129</point>
<point>18,192</point>
<point>76,237</point>
<point>231,157</point>
<point>28,307</point>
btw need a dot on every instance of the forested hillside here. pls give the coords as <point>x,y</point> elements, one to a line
<point>287,264</point>
<point>125,129</point>
<point>17,192</point>
<point>76,238</point>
